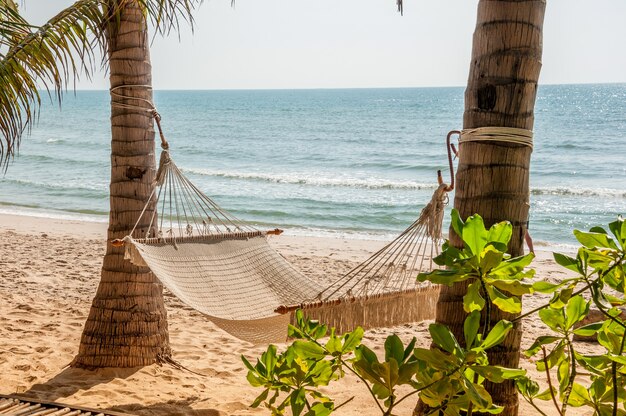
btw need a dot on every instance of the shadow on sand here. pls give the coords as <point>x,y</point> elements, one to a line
<point>72,380</point>
<point>170,408</point>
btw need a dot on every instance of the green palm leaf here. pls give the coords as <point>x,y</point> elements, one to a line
<point>52,56</point>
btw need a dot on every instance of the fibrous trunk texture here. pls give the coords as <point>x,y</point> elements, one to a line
<point>493,177</point>
<point>127,324</point>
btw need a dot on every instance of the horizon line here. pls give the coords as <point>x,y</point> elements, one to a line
<point>336,88</point>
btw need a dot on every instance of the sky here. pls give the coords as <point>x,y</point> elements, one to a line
<point>271,44</point>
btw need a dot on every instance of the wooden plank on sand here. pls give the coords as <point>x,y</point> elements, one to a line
<point>16,405</point>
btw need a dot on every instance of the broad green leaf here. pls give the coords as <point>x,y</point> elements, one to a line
<point>444,339</point>
<point>595,363</point>
<point>514,287</point>
<point>272,399</point>
<point>553,358</point>
<point>594,239</point>
<point>321,409</point>
<point>490,258</point>
<point>438,392</point>
<point>498,374</point>
<point>255,380</point>
<point>547,394</point>
<point>569,263</point>
<point>560,299</point>
<point>477,394</point>
<point>321,373</point>
<point>474,234</point>
<point>527,387</point>
<point>501,232</point>
<point>576,310</point>
<point>300,321</point>
<point>408,351</point>
<point>553,318</point>
<point>579,396</point>
<point>457,223</point>
<point>473,301</point>
<point>294,332</point>
<point>308,349</point>
<point>497,334</point>
<point>599,299</point>
<point>448,256</point>
<point>615,301</point>
<point>319,396</point>
<point>394,348</point>
<point>546,287</point>
<point>562,374</point>
<point>621,393</point>
<point>511,304</point>
<point>269,359</point>
<point>388,372</point>
<point>597,388</point>
<point>443,277</point>
<point>540,341</point>
<point>597,229</point>
<point>407,371</point>
<point>470,328</point>
<point>434,358</point>
<point>298,401</point>
<point>620,359</point>
<point>381,391</point>
<point>352,340</point>
<point>333,345</point>
<point>318,331</point>
<point>363,365</point>
<point>511,267</point>
<point>618,228</point>
<point>600,259</point>
<point>364,353</point>
<point>247,363</point>
<point>260,399</point>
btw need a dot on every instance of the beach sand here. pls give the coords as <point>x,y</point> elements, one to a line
<point>49,272</point>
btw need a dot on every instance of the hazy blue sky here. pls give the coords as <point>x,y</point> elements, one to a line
<point>364,43</point>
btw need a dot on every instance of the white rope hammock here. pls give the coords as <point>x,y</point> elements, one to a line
<point>224,267</point>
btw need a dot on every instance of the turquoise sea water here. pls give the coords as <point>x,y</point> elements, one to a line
<point>353,163</point>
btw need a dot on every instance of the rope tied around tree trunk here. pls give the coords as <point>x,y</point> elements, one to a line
<point>145,105</point>
<point>498,134</point>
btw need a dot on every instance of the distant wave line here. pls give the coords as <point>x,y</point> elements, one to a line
<point>93,190</point>
<point>312,180</point>
<point>563,191</point>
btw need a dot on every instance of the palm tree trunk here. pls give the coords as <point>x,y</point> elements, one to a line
<point>493,178</point>
<point>127,324</point>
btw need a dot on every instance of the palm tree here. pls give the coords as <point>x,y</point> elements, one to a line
<point>127,324</point>
<point>493,178</point>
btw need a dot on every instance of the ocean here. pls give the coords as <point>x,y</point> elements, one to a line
<point>353,163</point>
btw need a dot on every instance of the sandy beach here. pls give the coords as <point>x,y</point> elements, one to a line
<point>49,271</point>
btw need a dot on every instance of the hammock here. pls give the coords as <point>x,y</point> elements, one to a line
<point>225,268</point>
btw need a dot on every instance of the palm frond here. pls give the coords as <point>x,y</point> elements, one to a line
<point>53,55</point>
<point>47,57</point>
